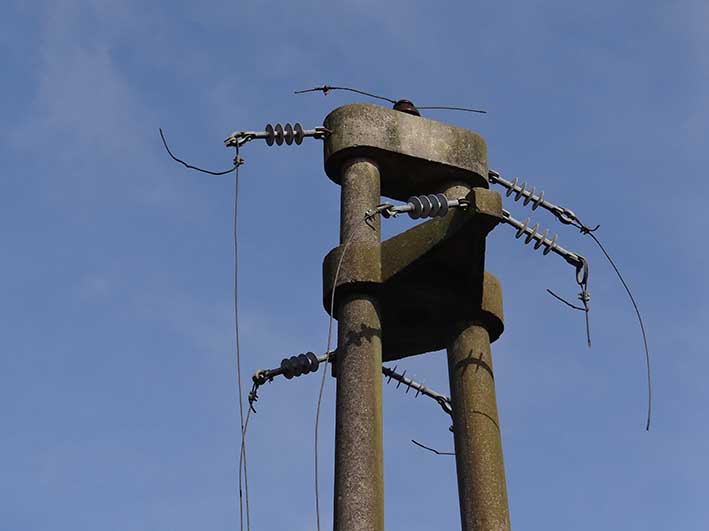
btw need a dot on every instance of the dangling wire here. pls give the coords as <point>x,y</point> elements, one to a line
<point>585,229</point>
<point>640,320</point>
<point>583,296</point>
<point>243,478</point>
<point>243,423</point>
<point>237,161</point>
<point>369,216</point>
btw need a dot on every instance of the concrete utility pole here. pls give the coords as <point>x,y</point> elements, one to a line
<point>423,290</point>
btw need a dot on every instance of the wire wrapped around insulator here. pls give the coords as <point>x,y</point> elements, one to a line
<point>299,365</point>
<point>428,206</point>
<point>288,134</point>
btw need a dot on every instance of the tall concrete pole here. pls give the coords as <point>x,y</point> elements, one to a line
<point>482,489</point>
<point>359,476</point>
<point>429,287</point>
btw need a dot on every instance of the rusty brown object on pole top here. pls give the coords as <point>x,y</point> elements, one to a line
<point>406,106</point>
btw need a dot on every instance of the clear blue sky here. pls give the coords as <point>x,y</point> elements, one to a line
<point>117,380</point>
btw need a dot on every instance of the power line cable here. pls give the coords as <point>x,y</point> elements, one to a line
<point>237,161</point>
<point>242,451</point>
<point>327,88</point>
<point>437,452</point>
<point>640,321</point>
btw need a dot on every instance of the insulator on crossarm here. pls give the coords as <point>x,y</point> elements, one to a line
<point>288,133</point>
<point>428,206</point>
<point>520,191</point>
<point>299,365</point>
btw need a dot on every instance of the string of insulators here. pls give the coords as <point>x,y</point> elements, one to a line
<point>423,206</point>
<point>287,134</point>
<point>530,196</point>
<point>541,239</point>
<point>277,134</point>
<point>401,378</point>
<point>299,365</point>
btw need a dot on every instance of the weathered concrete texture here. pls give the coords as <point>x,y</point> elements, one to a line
<point>359,469</point>
<point>482,489</point>
<point>415,155</point>
<point>430,277</point>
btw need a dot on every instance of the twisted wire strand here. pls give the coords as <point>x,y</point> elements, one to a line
<point>191,167</point>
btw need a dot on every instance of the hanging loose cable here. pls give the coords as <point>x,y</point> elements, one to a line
<point>585,229</point>
<point>244,423</point>
<point>640,320</point>
<point>237,161</point>
<point>568,217</point>
<point>367,219</point>
<point>243,478</point>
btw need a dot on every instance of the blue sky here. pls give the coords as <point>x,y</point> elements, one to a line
<point>117,379</point>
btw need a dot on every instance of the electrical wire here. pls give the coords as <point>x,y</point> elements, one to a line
<point>242,452</point>
<point>367,218</point>
<point>327,88</point>
<point>237,162</point>
<point>447,108</point>
<point>431,449</point>
<point>242,463</point>
<point>640,320</point>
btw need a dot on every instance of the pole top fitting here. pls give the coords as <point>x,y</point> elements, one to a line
<point>406,106</point>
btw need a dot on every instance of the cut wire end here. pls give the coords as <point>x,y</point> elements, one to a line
<point>238,161</point>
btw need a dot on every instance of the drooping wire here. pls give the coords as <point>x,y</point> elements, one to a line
<point>583,296</point>
<point>237,161</point>
<point>327,88</point>
<point>242,452</point>
<point>367,219</point>
<point>640,320</point>
<point>585,229</point>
